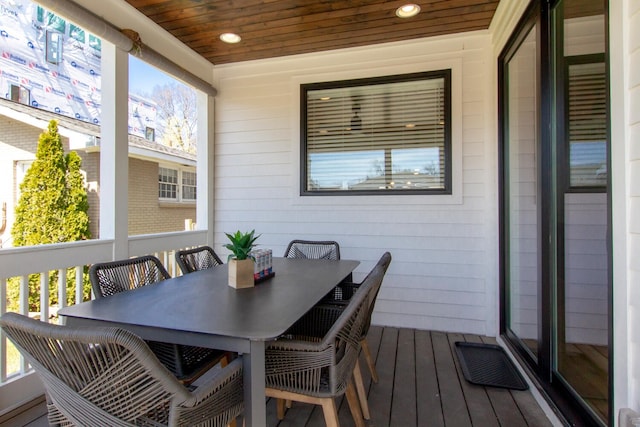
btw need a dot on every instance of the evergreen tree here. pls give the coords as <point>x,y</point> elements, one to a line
<point>53,206</point>
<point>77,217</point>
<point>43,194</point>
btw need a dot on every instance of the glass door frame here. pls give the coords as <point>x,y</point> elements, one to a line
<point>542,368</point>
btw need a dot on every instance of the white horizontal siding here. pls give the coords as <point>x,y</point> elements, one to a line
<point>444,248</point>
<point>632,19</point>
<point>624,48</point>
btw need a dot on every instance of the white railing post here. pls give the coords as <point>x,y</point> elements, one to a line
<point>44,296</point>
<point>24,309</point>
<point>79,284</point>
<point>23,303</point>
<point>62,288</point>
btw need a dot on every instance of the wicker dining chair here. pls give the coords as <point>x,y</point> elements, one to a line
<point>200,258</point>
<point>313,249</point>
<point>109,377</point>
<point>345,290</point>
<point>337,301</point>
<point>186,362</point>
<point>315,360</point>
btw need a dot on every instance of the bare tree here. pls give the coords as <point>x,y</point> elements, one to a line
<point>177,115</point>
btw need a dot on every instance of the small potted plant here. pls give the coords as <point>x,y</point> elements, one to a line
<point>240,260</point>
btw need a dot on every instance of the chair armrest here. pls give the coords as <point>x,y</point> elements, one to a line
<point>225,378</point>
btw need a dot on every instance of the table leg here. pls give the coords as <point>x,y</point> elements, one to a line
<point>255,411</point>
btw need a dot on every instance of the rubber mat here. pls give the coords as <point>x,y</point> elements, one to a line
<point>488,365</point>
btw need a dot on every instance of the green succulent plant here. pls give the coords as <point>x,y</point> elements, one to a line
<point>241,244</point>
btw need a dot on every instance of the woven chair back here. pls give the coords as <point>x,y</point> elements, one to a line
<point>311,249</point>
<point>351,325</point>
<point>109,278</point>
<point>95,376</point>
<point>379,270</point>
<point>200,258</point>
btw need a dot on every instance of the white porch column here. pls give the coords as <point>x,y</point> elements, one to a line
<point>114,149</point>
<point>205,162</point>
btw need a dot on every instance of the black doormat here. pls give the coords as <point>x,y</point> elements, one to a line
<point>488,365</point>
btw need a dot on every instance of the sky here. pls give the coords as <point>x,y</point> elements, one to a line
<point>144,77</point>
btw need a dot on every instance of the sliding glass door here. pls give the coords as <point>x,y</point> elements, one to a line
<point>555,204</point>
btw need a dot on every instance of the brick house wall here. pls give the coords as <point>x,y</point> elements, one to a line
<point>19,141</point>
<point>147,214</point>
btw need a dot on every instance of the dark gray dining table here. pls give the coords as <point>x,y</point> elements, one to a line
<point>201,309</point>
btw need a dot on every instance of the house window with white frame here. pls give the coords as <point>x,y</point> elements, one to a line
<point>168,184</point>
<point>383,135</point>
<point>176,184</point>
<point>189,185</point>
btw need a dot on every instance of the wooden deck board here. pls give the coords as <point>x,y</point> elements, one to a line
<point>429,404</point>
<point>421,385</point>
<point>403,409</point>
<point>381,394</point>
<point>454,406</point>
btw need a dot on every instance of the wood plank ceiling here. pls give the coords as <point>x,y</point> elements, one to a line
<point>274,28</point>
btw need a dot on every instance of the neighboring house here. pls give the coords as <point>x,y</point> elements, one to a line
<point>51,69</point>
<point>161,179</point>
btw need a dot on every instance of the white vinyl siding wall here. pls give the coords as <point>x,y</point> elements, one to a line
<point>444,247</point>
<point>626,193</point>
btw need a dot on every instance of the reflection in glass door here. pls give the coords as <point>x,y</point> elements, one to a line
<point>521,187</point>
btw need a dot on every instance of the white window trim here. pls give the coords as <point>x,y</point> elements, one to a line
<point>181,170</point>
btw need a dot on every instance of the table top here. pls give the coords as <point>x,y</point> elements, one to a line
<point>202,302</point>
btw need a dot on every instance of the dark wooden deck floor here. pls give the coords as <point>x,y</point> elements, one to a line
<point>421,384</point>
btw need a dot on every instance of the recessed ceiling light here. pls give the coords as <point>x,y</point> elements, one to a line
<point>407,11</point>
<point>230,38</point>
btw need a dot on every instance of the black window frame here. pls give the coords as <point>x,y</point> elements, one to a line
<point>444,74</point>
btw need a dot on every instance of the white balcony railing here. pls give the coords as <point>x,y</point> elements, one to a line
<point>22,262</point>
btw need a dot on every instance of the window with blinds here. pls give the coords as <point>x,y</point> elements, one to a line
<point>380,135</point>
<point>587,102</point>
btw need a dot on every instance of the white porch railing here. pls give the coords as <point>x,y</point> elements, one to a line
<point>17,385</point>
